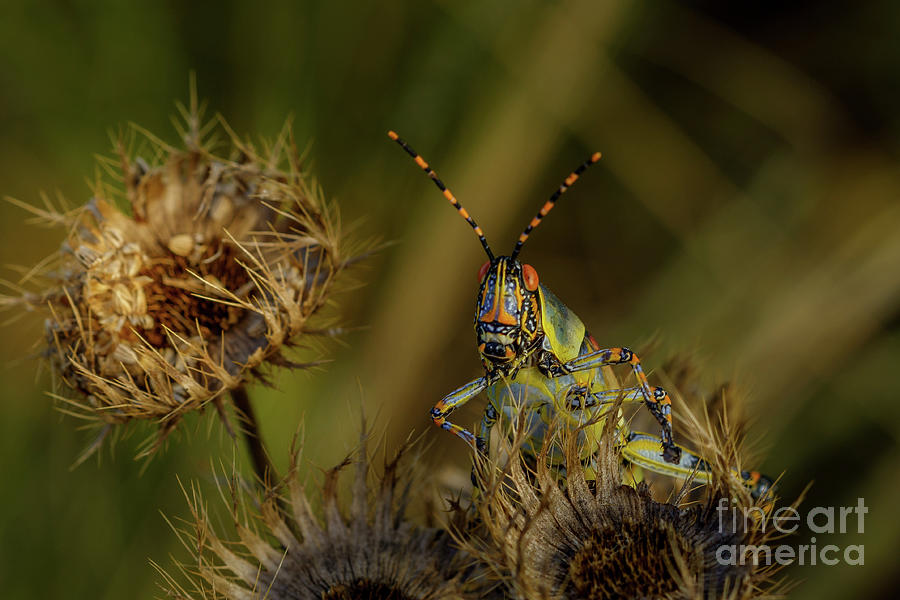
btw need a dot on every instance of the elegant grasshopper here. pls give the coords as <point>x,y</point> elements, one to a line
<point>529,341</point>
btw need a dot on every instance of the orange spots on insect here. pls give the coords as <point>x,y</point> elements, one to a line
<point>462,211</point>
<point>421,162</point>
<point>506,318</point>
<point>498,308</point>
<point>754,476</point>
<point>571,179</point>
<point>595,157</point>
<point>483,270</point>
<point>393,135</point>
<point>489,318</point>
<point>523,237</point>
<point>479,232</point>
<point>481,348</point>
<point>530,276</point>
<point>510,353</point>
<point>546,208</point>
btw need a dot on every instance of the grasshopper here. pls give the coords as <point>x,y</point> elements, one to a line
<point>529,341</point>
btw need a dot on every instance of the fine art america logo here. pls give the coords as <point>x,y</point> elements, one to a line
<point>787,520</point>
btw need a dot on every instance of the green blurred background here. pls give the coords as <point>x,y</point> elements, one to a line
<point>745,212</point>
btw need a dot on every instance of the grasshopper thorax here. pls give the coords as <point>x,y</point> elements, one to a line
<point>507,314</point>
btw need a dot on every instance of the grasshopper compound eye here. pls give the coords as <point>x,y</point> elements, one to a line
<point>483,271</point>
<point>530,276</point>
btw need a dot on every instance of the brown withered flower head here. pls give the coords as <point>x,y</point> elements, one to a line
<point>365,548</point>
<point>181,278</point>
<point>543,535</point>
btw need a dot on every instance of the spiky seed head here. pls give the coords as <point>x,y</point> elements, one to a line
<point>364,547</point>
<point>549,534</point>
<point>181,278</point>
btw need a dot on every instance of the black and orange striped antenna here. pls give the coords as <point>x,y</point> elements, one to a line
<point>549,204</point>
<point>447,194</point>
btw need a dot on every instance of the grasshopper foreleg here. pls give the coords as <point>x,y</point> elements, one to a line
<point>451,402</point>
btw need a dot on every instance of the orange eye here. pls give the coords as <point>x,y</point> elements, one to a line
<point>483,271</point>
<point>530,276</point>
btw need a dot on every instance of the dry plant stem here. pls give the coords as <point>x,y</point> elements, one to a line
<point>265,472</point>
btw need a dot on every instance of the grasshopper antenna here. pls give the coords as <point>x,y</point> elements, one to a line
<point>549,204</point>
<point>447,194</point>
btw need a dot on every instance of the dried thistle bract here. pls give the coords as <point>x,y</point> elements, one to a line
<point>365,548</point>
<point>547,535</point>
<point>178,281</point>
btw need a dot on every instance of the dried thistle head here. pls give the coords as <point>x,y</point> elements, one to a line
<point>366,547</point>
<point>180,279</point>
<point>544,535</point>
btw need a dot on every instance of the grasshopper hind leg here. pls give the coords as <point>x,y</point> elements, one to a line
<point>645,451</point>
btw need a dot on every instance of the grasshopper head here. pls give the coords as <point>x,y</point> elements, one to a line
<point>507,312</point>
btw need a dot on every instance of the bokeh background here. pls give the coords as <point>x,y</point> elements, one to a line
<point>745,213</point>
